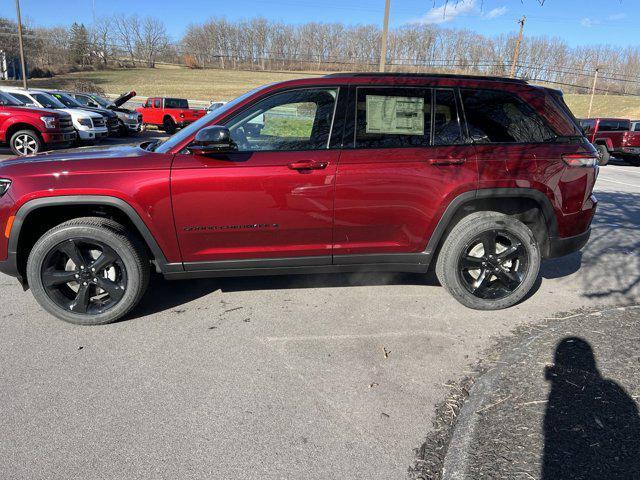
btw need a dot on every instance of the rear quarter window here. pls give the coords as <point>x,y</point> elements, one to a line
<point>501,117</point>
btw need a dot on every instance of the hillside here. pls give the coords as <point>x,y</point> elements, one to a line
<point>227,84</point>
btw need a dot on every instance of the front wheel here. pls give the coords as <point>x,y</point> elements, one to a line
<point>25,142</point>
<point>88,271</point>
<point>489,261</point>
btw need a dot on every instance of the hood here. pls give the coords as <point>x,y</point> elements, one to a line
<point>75,155</point>
<point>124,98</point>
<point>38,111</point>
<point>100,111</point>
<point>80,113</point>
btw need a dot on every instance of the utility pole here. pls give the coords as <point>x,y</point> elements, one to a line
<point>593,91</point>
<point>22,62</point>
<point>385,31</point>
<point>516,53</point>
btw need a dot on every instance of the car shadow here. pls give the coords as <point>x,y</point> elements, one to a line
<point>612,249</point>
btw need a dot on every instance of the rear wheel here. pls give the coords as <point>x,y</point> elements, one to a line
<point>25,142</point>
<point>169,125</point>
<point>88,271</point>
<point>603,155</point>
<point>489,261</point>
<point>635,161</point>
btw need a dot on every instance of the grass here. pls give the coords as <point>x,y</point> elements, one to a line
<point>227,84</point>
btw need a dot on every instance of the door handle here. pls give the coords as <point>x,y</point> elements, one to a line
<point>308,165</point>
<point>447,161</point>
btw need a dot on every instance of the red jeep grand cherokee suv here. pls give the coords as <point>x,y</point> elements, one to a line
<point>481,176</point>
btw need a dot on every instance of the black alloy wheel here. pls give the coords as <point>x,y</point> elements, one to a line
<point>493,264</point>
<point>84,276</point>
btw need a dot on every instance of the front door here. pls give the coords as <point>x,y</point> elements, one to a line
<point>407,159</point>
<point>271,201</point>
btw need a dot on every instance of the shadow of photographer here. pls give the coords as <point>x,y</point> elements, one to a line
<point>591,425</point>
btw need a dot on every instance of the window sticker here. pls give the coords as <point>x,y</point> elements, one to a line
<point>395,115</point>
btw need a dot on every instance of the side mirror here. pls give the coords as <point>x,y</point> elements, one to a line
<point>214,139</point>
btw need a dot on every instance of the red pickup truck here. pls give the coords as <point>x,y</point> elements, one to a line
<point>169,113</point>
<point>30,130</point>
<point>613,137</point>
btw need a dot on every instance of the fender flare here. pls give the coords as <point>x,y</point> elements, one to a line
<point>604,141</point>
<point>32,205</point>
<point>486,193</point>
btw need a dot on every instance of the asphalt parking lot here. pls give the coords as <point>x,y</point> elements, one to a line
<point>332,376</point>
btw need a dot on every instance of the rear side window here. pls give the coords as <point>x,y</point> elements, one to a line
<point>446,122</point>
<point>176,103</point>
<point>614,126</point>
<point>22,98</point>
<point>393,117</point>
<point>501,117</point>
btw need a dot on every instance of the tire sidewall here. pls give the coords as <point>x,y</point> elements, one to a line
<point>458,239</point>
<point>49,240</point>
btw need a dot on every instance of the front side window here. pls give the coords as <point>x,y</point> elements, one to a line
<point>393,117</point>
<point>293,120</point>
<point>157,103</point>
<point>22,98</point>
<point>500,117</point>
<point>6,99</point>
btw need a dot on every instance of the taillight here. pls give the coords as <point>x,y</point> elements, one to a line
<point>580,160</point>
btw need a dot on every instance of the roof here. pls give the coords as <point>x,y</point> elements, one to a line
<point>427,75</point>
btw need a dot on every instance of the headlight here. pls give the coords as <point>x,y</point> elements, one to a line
<point>49,122</point>
<point>4,186</point>
<point>133,116</point>
<point>85,122</point>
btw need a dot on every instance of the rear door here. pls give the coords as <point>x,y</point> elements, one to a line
<point>405,158</point>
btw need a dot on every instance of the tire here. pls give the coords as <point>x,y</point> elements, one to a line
<point>603,155</point>
<point>70,292</point>
<point>25,142</point>
<point>482,288</point>
<point>122,129</point>
<point>169,125</point>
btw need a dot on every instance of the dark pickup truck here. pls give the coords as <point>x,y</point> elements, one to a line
<point>613,137</point>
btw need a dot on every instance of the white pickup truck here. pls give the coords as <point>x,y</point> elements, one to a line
<point>90,126</point>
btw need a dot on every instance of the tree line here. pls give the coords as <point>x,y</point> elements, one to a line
<point>260,44</point>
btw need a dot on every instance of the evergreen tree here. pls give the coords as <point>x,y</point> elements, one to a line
<point>78,44</point>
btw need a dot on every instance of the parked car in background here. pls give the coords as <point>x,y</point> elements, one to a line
<point>169,113</point>
<point>215,105</point>
<point>613,137</point>
<point>130,120</point>
<point>30,130</point>
<point>418,183</point>
<point>110,117</point>
<point>89,126</point>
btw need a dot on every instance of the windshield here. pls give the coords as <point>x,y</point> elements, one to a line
<point>179,137</point>
<point>47,101</point>
<point>6,99</point>
<point>101,101</point>
<point>68,101</point>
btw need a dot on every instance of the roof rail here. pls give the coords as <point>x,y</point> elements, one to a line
<point>427,75</point>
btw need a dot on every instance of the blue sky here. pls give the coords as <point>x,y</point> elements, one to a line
<point>578,22</point>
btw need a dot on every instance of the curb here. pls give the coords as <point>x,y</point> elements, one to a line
<point>456,459</point>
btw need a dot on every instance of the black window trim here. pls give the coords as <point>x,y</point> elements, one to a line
<point>351,123</point>
<point>330,140</point>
